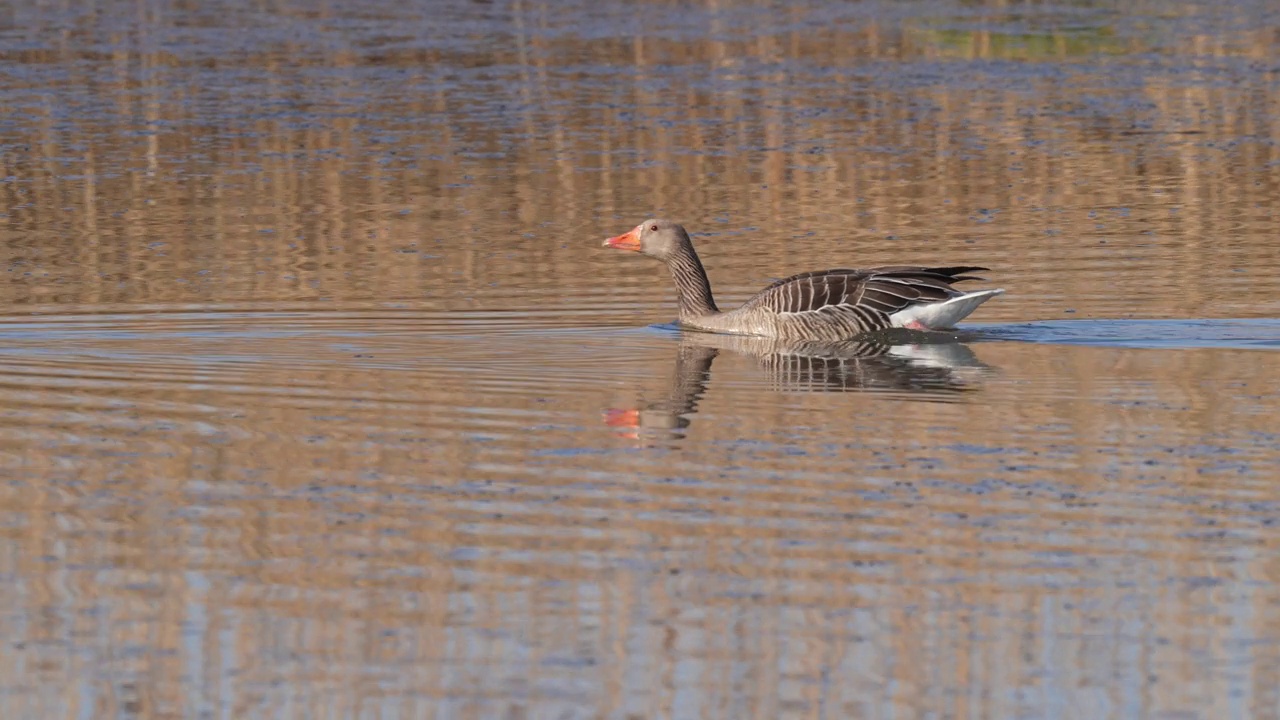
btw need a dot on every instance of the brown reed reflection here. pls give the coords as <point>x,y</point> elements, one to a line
<point>933,367</point>
<point>234,194</point>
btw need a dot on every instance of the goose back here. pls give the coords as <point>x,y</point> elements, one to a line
<point>843,303</point>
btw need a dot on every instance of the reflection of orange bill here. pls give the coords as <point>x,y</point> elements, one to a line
<point>625,421</point>
<point>622,418</point>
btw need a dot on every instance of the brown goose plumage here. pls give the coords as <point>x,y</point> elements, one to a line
<point>828,305</point>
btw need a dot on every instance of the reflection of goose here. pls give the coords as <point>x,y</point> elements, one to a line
<point>929,367</point>
<point>830,305</point>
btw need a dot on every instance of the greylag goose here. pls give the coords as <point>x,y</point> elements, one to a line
<point>827,305</point>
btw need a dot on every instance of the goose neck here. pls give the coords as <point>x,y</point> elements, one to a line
<point>691,283</point>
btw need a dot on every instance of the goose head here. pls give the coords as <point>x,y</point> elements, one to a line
<point>656,238</point>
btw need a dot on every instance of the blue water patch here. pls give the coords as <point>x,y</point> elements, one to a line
<point>1244,334</point>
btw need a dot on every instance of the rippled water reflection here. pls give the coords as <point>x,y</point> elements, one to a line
<point>319,398</point>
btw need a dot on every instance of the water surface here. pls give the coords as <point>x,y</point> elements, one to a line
<point>319,398</point>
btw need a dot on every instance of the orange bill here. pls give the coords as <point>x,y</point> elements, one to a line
<point>626,241</point>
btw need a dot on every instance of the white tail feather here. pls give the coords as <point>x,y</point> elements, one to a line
<point>942,315</point>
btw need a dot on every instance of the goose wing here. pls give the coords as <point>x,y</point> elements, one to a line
<point>869,295</point>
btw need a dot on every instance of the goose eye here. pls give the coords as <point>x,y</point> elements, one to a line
<point>653,228</point>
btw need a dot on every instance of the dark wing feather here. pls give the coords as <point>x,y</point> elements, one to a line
<point>887,289</point>
<point>807,292</point>
<point>946,272</point>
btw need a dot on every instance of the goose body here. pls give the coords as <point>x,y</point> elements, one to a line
<point>828,305</point>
